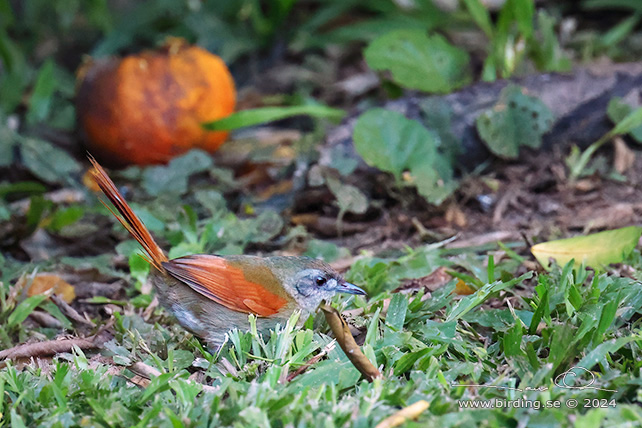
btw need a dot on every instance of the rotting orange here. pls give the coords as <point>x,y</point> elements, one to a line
<point>148,108</point>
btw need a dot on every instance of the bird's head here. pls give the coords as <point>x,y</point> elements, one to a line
<point>309,281</point>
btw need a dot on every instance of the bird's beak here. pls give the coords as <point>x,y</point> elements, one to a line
<point>346,287</point>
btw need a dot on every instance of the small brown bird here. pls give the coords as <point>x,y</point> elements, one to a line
<point>210,295</point>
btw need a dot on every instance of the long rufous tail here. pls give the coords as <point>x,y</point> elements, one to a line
<point>131,222</point>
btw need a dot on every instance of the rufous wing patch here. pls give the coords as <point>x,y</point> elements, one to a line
<point>215,278</point>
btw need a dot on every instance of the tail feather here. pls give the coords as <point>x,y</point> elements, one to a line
<point>129,219</point>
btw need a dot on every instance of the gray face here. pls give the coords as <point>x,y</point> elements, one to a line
<point>310,286</point>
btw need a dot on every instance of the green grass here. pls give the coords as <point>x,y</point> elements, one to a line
<point>512,333</point>
<point>511,342</point>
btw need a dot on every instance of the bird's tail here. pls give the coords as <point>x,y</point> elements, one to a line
<point>131,222</point>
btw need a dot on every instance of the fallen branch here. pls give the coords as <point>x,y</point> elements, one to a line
<point>50,347</point>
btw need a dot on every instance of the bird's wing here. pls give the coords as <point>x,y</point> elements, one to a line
<point>227,284</point>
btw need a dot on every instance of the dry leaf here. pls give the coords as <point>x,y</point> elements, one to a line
<point>89,182</point>
<point>624,156</point>
<point>463,289</point>
<point>44,282</point>
<point>455,216</point>
<point>411,412</point>
<point>344,338</point>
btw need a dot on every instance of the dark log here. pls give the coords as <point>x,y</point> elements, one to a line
<point>578,101</point>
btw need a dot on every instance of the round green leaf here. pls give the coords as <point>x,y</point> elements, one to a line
<point>419,61</point>
<point>516,120</point>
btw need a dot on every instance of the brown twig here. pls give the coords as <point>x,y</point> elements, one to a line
<point>50,347</point>
<point>150,372</point>
<point>70,312</point>
<point>45,319</point>
<point>311,361</point>
<point>342,333</point>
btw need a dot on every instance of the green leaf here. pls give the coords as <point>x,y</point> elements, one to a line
<point>16,419</point>
<point>22,311</point>
<point>26,187</point>
<point>65,217</point>
<point>47,162</point>
<point>173,178</point>
<point>599,353</point>
<point>618,110</point>
<point>546,51</point>
<point>543,309</point>
<point>408,360</point>
<point>419,61</point>
<point>5,214</point>
<point>40,100</point>
<point>157,385</point>
<point>17,74</point>
<point>211,200</point>
<point>269,114</point>
<point>609,310</point>
<point>468,303</point>
<point>619,32</point>
<point>349,198</point>
<point>266,226</point>
<point>480,15</point>
<point>138,267</point>
<point>512,340</point>
<point>516,120</point>
<point>397,311</point>
<point>325,250</point>
<point>57,313</point>
<point>630,122</point>
<point>577,162</point>
<point>596,250</point>
<point>37,207</point>
<point>8,142</point>
<point>389,141</point>
<point>430,184</point>
<point>523,12</point>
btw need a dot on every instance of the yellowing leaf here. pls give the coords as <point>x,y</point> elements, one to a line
<point>596,250</point>
<point>89,182</point>
<point>463,289</point>
<point>44,282</point>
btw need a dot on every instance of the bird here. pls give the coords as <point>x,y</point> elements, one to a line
<point>209,295</point>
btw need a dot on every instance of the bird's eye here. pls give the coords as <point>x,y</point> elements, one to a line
<point>320,280</point>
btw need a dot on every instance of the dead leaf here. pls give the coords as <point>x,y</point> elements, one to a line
<point>44,282</point>
<point>455,216</point>
<point>609,217</point>
<point>279,188</point>
<point>344,338</point>
<point>624,156</point>
<point>89,182</point>
<point>586,185</point>
<point>463,289</point>
<point>411,412</point>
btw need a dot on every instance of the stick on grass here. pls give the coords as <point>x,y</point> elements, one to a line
<point>342,333</point>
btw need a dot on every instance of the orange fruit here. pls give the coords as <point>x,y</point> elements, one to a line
<point>148,108</point>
